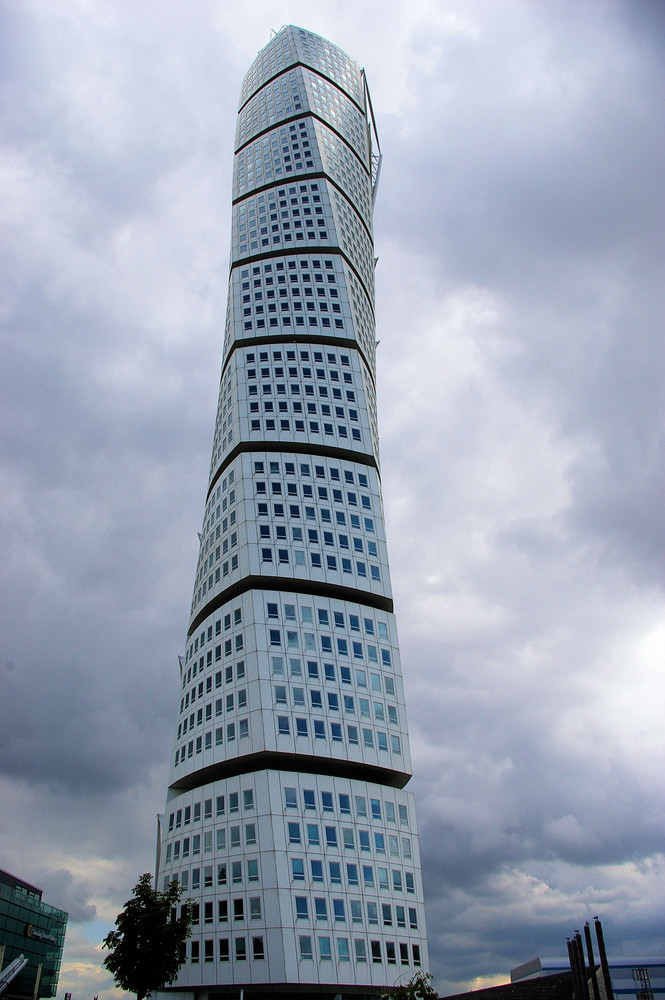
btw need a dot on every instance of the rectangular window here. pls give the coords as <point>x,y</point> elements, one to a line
<point>290,798</point>
<point>313,835</point>
<point>335,870</point>
<point>343,949</point>
<point>257,949</point>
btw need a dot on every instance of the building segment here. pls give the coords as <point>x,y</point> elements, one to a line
<point>287,821</point>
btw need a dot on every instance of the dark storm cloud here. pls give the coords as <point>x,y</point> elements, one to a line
<point>69,891</point>
<point>541,183</point>
<point>525,524</point>
<point>519,230</point>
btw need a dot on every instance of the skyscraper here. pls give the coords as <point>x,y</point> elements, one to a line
<point>286,820</point>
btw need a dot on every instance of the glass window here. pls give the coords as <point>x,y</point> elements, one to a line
<point>343,949</point>
<point>294,833</point>
<point>290,799</point>
<point>257,948</point>
<point>313,835</point>
<point>308,798</point>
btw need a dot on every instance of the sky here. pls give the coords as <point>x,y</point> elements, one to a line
<point>519,228</point>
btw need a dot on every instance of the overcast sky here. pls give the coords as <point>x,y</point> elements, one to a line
<point>519,227</point>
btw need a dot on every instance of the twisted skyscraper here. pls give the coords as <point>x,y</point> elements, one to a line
<point>286,819</point>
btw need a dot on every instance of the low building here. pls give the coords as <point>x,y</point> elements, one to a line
<point>32,929</point>
<point>633,978</point>
<point>558,986</point>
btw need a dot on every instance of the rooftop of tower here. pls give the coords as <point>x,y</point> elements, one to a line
<point>293,46</point>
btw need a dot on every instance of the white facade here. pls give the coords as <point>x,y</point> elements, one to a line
<point>286,819</point>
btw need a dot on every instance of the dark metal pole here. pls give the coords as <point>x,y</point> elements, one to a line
<point>592,961</point>
<point>604,965</point>
<point>574,970</point>
<point>572,965</point>
<point>582,965</point>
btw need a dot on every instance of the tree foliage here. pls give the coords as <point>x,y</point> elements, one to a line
<point>148,945</point>
<point>417,988</point>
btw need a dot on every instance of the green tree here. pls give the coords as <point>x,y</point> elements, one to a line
<point>148,945</point>
<point>417,988</point>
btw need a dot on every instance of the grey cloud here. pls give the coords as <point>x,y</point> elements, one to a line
<point>520,240</point>
<point>71,894</point>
